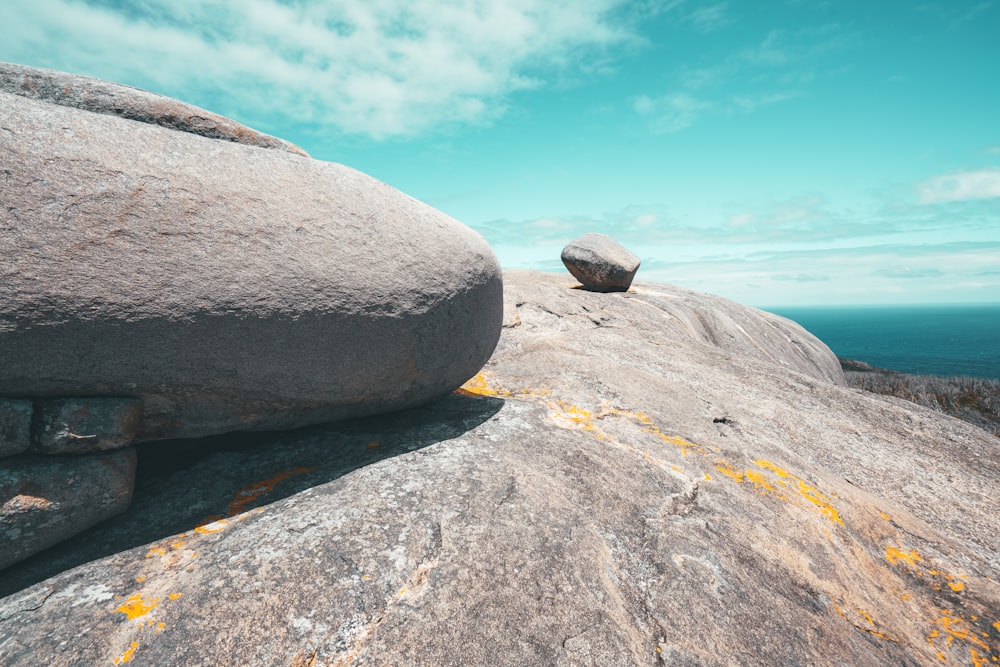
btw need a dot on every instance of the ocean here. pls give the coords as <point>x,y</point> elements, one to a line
<point>928,340</point>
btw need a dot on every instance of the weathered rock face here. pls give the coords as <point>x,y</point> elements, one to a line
<point>44,500</point>
<point>601,264</point>
<point>83,425</point>
<point>114,99</point>
<point>15,427</point>
<point>227,287</point>
<point>625,484</point>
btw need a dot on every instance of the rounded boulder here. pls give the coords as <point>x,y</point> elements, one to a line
<point>227,286</point>
<point>600,263</point>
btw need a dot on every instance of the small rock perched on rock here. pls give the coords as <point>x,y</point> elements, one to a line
<point>601,264</point>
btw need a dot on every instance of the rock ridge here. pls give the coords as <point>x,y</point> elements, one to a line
<point>115,99</point>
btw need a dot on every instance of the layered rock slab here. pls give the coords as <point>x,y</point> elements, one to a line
<point>227,287</point>
<point>44,500</point>
<point>624,484</point>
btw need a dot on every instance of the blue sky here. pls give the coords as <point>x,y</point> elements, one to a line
<point>793,152</point>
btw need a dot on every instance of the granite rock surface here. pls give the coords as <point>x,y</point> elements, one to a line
<point>600,263</point>
<point>46,499</point>
<point>115,99</point>
<point>225,286</point>
<point>654,477</point>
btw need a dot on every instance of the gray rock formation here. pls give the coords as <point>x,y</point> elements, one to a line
<point>639,478</point>
<point>601,264</point>
<point>114,99</point>
<point>84,425</point>
<point>44,500</point>
<point>227,287</point>
<point>15,427</point>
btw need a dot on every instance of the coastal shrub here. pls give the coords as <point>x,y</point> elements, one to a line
<point>975,400</point>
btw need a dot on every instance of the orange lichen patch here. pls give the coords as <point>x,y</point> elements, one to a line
<point>127,655</point>
<point>997,625</point>
<point>896,556</point>
<point>885,516</point>
<point>135,606</point>
<point>782,478</point>
<point>726,469</point>
<point>977,660</point>
<point>767,465</point>
<point>677,441</point>
<point>566,414</point>
<point>480,386</point>
<point>761,483</point>
<point>156,551</point>
<point>956,585</point>
<point>177,545</point>
<point>708,478</point>
<point>817,498</point>
<point>175,596</point>
<point>141,578</point>
<point>250,493</point>
<point>213,527</point>
<point>953,628</point>
<point>160,627</point>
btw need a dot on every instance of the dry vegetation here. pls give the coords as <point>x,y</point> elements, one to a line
<point>974,400</point>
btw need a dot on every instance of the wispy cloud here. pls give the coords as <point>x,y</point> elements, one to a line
<point>670,113</point>
<point>778,67</point>
<point>961,186</point>
<point>380,68</point>
<point>710,17</point>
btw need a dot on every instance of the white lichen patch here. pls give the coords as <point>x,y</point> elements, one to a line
<point>84,595</point>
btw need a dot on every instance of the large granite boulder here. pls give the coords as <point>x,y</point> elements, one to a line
<point>226,286</point>
<point>115,99</point>
<point>631,481</point>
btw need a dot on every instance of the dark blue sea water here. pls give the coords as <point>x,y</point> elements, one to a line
<point>931,340</point>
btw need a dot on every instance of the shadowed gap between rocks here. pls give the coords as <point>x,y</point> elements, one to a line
<point>182,484</point>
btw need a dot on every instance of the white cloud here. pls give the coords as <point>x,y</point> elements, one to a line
<point>375,67</point>
<point>670,113</point>
<point>961,186</point>
<point>710,17</point>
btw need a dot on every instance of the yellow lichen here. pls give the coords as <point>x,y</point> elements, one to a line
<point>213,527</point>
<point>817,498</point>
<point>573,416</point>
<point>896,556</point>
<point>726,469</point>
<point>480,385</point>
<point>135,606</point>
<point>760,481</point>
<point>127,655</point>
